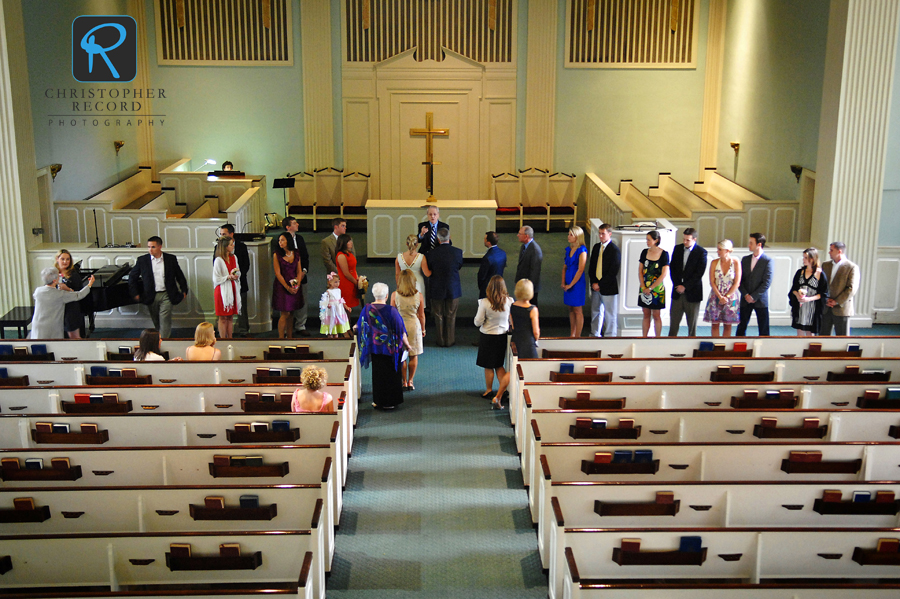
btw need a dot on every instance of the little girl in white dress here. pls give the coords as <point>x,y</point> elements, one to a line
<point>333,310</point>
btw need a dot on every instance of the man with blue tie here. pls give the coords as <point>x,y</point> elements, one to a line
<point>428,230</point>
<point>492,263</point>
<point>441,266</point>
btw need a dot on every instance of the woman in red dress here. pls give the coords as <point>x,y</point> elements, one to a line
<point>346,263</point>
<point>225,275</point>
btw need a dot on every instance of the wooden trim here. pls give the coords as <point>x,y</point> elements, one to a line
<point>573,567</point>
<point>305,570</point>
<point>527,397</point>
<point>317,514</point>
<point>326,471</point>
<point>557,511</point>
<point>535,430</point>
<point>545,467</point>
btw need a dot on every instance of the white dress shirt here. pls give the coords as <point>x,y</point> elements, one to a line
<point>159,273</point>
<point>489,320</point>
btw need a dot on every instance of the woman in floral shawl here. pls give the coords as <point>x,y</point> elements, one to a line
<point>382,341</point>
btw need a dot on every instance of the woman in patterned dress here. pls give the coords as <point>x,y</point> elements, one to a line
<point>724,279</point>
<point>652,272</point>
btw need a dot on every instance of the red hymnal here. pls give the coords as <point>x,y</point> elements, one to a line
<point>626,422</point>
<point>214,503</point>
<point>884,497</point>
<point>180,549</point>
<point>769,422</point>
<point>602,457</point>
<point>60,463</point>
<point>10,463</point>
<point>253,395</point>
<point>89,427</point>
<point>221,460</point>
<point>43,427</point>
<point>242,427</point>
<point>888,546</point>
<point>583,423</point>
<point>23,503</point>
<point>262,372</point>
<point>665,497</point>
<point>130,373</point>
<point>786,394</point>
<point>737,369</point>
<point>740,346</point>
<point>590,369</point>
<point>111,397</point>
<point>810,423</point>
<point>583,394</point>
<point>831,496</point>
<point>852,369</point>
<point>872,394</point>
<point>751,393</point>
<point>230,550</point>
<point>82,398</point>
<point>631,544</point>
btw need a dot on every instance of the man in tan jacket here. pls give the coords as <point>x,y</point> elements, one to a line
<point>843,283</point>
<point>328,244</point>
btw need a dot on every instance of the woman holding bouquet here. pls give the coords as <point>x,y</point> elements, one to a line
<point>227,295</point>
<point>349,279</point>
<point>286,297</point>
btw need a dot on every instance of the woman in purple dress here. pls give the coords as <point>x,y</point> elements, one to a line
<point>286,296</point>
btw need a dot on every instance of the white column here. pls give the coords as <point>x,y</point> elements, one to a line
<point>859,68</point>
<point>142,82</point>
<point>318,116</point>
<point>540,86</point>
<point>18,184</point>
<point>712,88</point>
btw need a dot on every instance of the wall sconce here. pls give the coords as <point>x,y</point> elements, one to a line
<point>118,145</point>
<point>797,170</point>
<point>736,146</point>
<point>54,170</point>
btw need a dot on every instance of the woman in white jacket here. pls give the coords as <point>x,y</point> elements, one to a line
<point>225,278</point>
<point>50,305</point>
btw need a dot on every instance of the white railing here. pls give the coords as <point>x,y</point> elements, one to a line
<point>605,204</point>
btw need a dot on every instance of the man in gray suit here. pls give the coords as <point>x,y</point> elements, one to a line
<point>756,278</point>
<point>530,259</point>
<point>328,244</point>
<point>843,283</point>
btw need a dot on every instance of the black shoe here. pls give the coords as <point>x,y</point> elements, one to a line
<point>303,333</point>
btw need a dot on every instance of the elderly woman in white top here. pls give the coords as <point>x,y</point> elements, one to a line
<point>50,305</point>
<point>493,320</point>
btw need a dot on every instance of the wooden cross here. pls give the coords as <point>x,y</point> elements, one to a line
<point>429,132</point>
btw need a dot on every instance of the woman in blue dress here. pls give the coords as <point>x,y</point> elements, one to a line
<point>573,280</point>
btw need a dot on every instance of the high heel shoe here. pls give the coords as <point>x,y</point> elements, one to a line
<point>487,394</point>
<point>495,404</point>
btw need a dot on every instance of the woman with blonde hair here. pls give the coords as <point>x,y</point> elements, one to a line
<point>411,260</point>
<point>225,278</point>
<point>70,280</point>
<point>409,302</point>
<point>493,322</point>
<point>724,279</point>
<point>573,280</point>
<point>204,348</point>
<point>310,397</point>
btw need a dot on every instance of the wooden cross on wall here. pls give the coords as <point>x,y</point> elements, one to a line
<point>429,132</point>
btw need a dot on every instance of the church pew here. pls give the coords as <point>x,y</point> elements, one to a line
<point>71,510</point>
<point>772,556</point>
<point>705,426</point>
<point>680,347</point>
<point>688,396</point>
<point>590,588</point>
<point>857,461</point>
<point>704,504</point>
<point>125,560</point>
<point>187,429</point>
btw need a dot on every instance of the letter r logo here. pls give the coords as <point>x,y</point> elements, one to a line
<point>104,48</point>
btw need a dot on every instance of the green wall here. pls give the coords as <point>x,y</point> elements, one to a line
<point>252,116</point>
<point>772,92</point>
<point>630,123</point>
<point>86,151</point>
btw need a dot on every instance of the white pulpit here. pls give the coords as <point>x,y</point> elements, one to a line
<point>389,222</point>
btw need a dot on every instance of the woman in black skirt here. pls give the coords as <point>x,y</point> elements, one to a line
<point>493,320</point>
<point>381,336</point>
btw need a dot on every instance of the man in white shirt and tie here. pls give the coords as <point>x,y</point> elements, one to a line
<point>603,271</point>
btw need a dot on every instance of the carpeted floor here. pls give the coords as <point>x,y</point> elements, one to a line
<point>434,505</point>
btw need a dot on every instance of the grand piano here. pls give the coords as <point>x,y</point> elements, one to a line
<point>110,290</point>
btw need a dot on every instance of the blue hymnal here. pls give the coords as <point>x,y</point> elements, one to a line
<point>690,544</point>
<point>567,368</point>
<point>34,464</point>
<point>249,501</point>
<point>38,349</point>
<point>98,370</point>
<point>60,427</point>
<point>115,372</point>
<point>622,456</point>
<point>707,346</point>
<point>861,497</point>
<point>281,425</point>
<point>598,423</point>
<point>772,394</point>
<point>853,347</point>
<point>6,350</point>
<point>643,456</point>
<point>3,373</point>
<point>96,398</point>
<point>892,393</point>
<point>293,372</point>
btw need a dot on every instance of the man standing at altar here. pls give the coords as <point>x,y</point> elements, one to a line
<point>442,268</point>
<point>428,230</point>
<point>530,259</point>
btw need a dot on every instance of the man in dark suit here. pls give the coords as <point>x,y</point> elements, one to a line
<point>157,282</point>
<point>603,270</point>
<point>492,263</point>
<point>242,255</point>
<point>442,266</point>
<point>756,277</point>
<point>687,269</point>
<point>530,259</point>
<point>428,230</point>
<point>291,225</point>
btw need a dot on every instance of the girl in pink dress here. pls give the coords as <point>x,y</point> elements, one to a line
<point>310,397</point>
<point>333,310</point>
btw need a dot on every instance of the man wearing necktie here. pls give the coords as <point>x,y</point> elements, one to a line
<point>687,269</point>
<point>756,277</point>
<point>530,259</point>
<point>429,228</point>
<point>603,271</point>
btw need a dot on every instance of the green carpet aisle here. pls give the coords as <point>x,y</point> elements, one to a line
<point>434,505</point>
